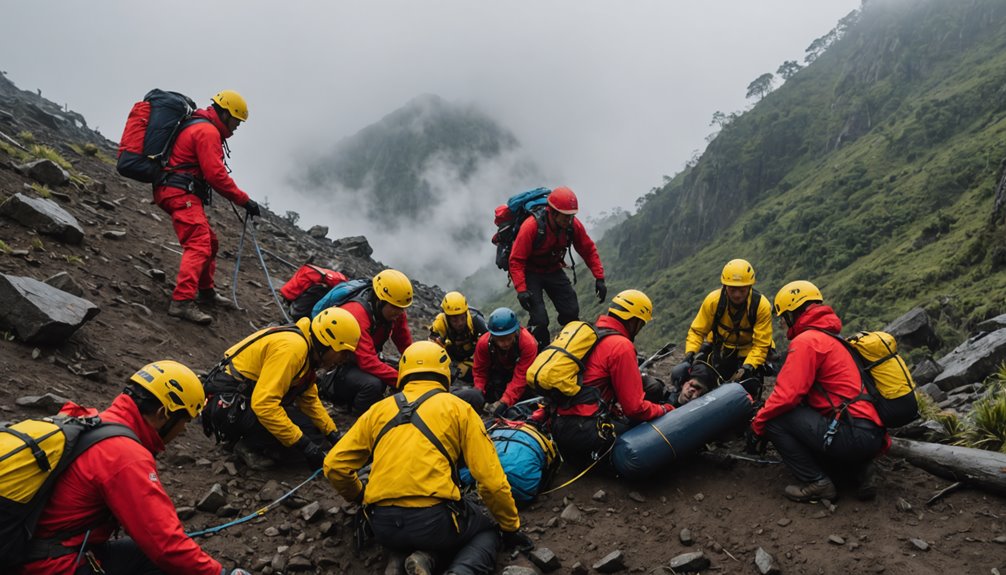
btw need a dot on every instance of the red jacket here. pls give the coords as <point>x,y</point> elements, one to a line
<point>613,368</point>
<point>118,477</point>
<point>202,144</point>
<point>484,362</point>
<point>548,257</point>
<point>372,340</point>
<point>815,357</point>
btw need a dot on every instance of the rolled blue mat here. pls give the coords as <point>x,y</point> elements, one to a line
<point>655,444</point>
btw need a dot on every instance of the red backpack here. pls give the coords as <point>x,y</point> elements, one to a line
<point>151,129</point>
<point>308,285</point>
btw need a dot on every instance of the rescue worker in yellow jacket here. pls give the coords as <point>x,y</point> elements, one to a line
<point>458,328</point>
<point>417,438</point>
<point>263,394</point>
<point>733,329</point>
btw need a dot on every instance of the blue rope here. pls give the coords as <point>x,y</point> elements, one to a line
<point>258,513</point>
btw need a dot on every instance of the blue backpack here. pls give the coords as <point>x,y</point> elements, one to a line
<point>511,215</point>
<point>529,459</point>
<point>340,294</point>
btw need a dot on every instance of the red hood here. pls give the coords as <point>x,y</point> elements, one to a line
<point>608,322</point>
<point>816,317</point>
<point>210,114</point>
<point>123,410</point>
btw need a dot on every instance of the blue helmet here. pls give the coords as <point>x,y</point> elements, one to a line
<point>503,321</point>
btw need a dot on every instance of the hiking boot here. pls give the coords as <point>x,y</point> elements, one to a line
<point>814,491</point>
<point>866,482</point>
<point>253,458</point>
<point>189,311</point>
<point>210,297</point>
<point>419,563</point>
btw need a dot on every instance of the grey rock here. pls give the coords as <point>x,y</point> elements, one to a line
<point>611,563</point>
<point>318,232</point>
<point>300,563</point>
<point>278,563</point>
<point>572,514</point>
<point>271,532</point>
<point>926,371</point>
<point>545,559</point>
<point>43,215</point>
<point>228,511</point>
<point>992,324</point>
<point>271,491</point>
<point>46,172</point>
<point>64,281</point>
<point>355,245</point>
<point>784,522</point>
<point>765,563</point>
<point>933,391</point>
<point>311,511</point>
<point>95,187</point>
<point>914,329</point>
<point>185,512</point>
<point>328,528</point>
<point>972,360</point>
<point>687,562</point>
<point>578,569</point>
<point>1000,539</point>
<point>919,544</point>
<point>903,505</point>
<point>600,495</point>
<point>213,500</point>
<point>40,313</point>
<point>518,570</point>
<point>49,402</point>
<point>685,536</point>
<point>637,497</point>
<point>836,540</point>
<point>113,234</point>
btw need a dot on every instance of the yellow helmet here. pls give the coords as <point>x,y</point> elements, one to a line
<point>232,102</point>
<point>632,303</point>
<point>454,303</point>
<point>738,273</point>
<point>795,294</point>
<point>424,357</point>
<point>393,287</point>
<point>173,384</point>
<point>336,328</point>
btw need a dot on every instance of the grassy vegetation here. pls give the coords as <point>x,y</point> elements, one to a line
<point>42,190</point>
<point>26,137</point>
<point>5,247</point>
<point>14,152</point>
<point>45,152</point>
<point>93,151</point>
<point>37,245</point>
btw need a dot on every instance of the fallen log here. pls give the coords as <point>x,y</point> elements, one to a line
<point>976,467</point>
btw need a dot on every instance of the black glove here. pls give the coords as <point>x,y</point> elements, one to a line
<point>333,437</point>
<point>524,297</point>
<point>313,452</point>
<point>517,540</point>
<point>690,357</point>
<point>754,443</point>
<point>496,408</point>
<point>252,208</point>
<point>600,290</point>
<point>743,373</point>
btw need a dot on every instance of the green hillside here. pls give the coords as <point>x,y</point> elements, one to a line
<point>872,172</point>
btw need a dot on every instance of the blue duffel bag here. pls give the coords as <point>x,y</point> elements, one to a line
<point>529,459</point>
<point>655,444</point>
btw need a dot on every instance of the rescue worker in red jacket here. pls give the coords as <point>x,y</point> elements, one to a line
<point>196,165</point>
<point>380,311</point>
<point>611,400</point>
<point>115,484</point>
<point>807,416</point>
<point>537,260</point>
<point>502,357</point>
<point>263,397</point>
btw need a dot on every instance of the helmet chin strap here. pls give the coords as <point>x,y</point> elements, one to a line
<point>173,418</point>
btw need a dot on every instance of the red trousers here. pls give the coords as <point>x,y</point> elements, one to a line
<point>199,245</point>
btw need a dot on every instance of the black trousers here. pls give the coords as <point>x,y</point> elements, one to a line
<point>495,388</point>
<point>119,557</point>
<point>559,289</point>
<point>582,439</point>
<point>798,436</point>
<point>460,535</point>
<point>352,387</point>
<point>259,438</point>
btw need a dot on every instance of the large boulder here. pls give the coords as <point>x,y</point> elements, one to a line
<point>43,215</point>
<point>973,360</point>
<point>914,329</point>
<point>39,313</point>
<point>355,245</point>
<point>46,172</point>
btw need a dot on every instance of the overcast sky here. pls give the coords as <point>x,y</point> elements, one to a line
<point>607,96</point>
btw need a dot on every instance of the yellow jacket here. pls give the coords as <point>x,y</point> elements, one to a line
<point>277,363</point>
<point>752,342</point>
<point>409,471</point>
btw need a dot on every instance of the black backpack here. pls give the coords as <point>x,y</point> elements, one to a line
<point>511,215</point>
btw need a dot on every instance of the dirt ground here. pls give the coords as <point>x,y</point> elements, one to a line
<point>730,509</point>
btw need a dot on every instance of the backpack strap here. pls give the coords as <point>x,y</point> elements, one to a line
<point>863,395</point>
<point>409,413</point>
<point>588,393</point>
<point>736,328</point>
<point>245,385</point>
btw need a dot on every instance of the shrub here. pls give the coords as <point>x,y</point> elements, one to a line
<point>26,137</point>
<point>45,152</point>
